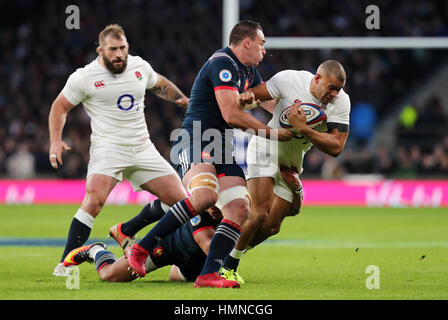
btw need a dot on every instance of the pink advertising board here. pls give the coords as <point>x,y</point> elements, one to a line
<point>390,193</point>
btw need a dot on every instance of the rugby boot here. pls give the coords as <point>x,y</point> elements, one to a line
<point>123,240</point>
<point>213,280</point>
<point>137,256</point>
<point>80,255</point>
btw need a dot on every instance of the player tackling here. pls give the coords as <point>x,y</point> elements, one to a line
<point>274,186</point>
<point>112,89</point>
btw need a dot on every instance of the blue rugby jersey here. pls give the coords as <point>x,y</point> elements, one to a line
<point>222,70</point>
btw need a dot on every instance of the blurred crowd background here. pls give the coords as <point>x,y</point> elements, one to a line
<point>399,112</point>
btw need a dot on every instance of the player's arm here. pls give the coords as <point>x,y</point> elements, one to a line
<point>56,122</point>
<point>258,96</point>
<point>331,142</point>
<point>168,91</point>
<point>229,104</point>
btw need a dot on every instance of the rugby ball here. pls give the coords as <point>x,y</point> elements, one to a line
<point>314,115</point>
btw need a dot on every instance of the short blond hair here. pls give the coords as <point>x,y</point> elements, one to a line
<point>115,30</point>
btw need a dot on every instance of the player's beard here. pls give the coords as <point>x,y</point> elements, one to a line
<point>112,68</point>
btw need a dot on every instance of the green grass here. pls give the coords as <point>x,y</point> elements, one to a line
<point>321,254</point>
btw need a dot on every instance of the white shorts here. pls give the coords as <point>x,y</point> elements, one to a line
<point>262,162</point>
<point>138,165</point>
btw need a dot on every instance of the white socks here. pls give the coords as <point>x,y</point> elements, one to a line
<point>237,254</point>
<point>94,250</point>
<point>84,218</point>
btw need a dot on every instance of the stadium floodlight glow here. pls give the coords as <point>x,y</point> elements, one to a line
<point>356,42</point>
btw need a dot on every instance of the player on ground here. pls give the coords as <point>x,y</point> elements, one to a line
<point>112,90</point>
<point>185,249</point>
<point>273,186</point>
<point>203,149</point>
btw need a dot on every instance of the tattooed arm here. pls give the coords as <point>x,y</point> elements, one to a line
<point>168,91</point>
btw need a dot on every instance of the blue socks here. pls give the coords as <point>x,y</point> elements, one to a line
<point>79,231</point>
<point>176,216</point>
<point>225,238</point>
<point>152,212</point>
<point>103,258</point>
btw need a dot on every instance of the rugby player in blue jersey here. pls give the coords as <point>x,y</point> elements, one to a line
<point>185,250</point>
<point>203,151</point>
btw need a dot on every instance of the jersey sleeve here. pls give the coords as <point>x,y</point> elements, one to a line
<point>152,76</point>
<point>342,110</point>
<point>223,75</point>
<point>74,89</point>
<point>279,81</point>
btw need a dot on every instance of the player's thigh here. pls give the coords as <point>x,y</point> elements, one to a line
<point>261,192</point>
<point>234,199</point>
<point>168,189</point>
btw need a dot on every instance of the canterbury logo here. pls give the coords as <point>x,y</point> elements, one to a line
<point>99,84</point>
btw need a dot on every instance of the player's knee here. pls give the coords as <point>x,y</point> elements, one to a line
<point>242,211</point>
<point>237,211</point>
<point>261,209</point>
<point>258,217</point>
<point>94,202</point>
<point>204,189</point>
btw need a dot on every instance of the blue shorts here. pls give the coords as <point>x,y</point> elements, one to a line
<point>187,151</point>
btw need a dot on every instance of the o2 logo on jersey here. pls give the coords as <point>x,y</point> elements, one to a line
<point>225,75</point>
<point>125,102</point>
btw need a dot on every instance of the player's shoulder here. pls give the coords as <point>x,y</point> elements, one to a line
<point>138,62</point>
<point>222,58</point>
<point>290,74</point>
<point>89,69</point>
<point>343,98</point>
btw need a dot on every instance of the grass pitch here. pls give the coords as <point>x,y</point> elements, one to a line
<point>323,253</point>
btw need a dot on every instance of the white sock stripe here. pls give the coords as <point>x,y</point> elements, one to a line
<point>228,233</point>
<point>179,206</point>
<point>230,230</point>
<point>231,237</point>
<point>84,218</point>
<point>103,258</point>
<point>178,214</point>
<point>182,212</point>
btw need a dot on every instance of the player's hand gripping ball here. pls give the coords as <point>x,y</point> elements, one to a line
<point>315,115</point>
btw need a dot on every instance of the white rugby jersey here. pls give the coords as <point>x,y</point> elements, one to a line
<point>114,102</point>
<point>289,85</point>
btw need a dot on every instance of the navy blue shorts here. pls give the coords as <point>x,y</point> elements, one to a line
<point>186,152</point>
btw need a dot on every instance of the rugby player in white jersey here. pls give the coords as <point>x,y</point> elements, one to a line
<point>112,91</point>
<point>274,186</point>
